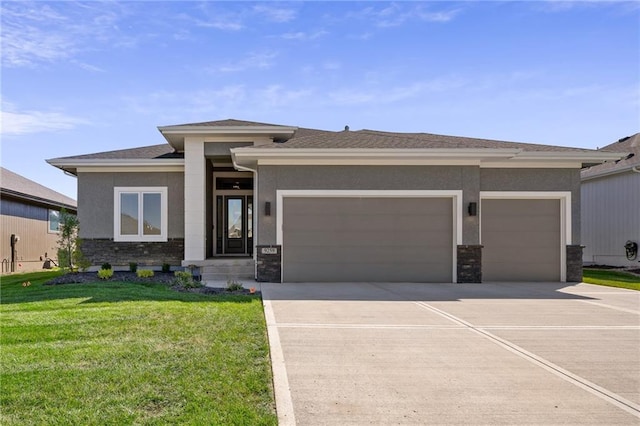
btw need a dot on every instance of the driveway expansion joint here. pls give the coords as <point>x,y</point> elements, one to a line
<point>566,375</point>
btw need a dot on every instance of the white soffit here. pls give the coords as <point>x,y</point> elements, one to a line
<point>175,135</point>
<point>479,157</point>
<point>119,165</point>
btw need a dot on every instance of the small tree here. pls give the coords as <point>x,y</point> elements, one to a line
<point>68,240</point>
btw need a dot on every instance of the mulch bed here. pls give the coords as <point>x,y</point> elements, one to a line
<point>158,277</point>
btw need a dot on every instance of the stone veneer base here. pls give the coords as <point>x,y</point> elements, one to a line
<point>99,251</point>
<point>574,263</point>
<point>469,264</point>
<point>269,264</point>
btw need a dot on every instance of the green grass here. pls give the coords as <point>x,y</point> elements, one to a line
<point>611,278</point>
<point>115,353</point>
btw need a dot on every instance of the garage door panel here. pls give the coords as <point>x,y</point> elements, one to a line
<point>381,254</point>
<point>362,272</point>
<point>520,256</point>
<point>521,240</point>
<point>522,207</point>
<point>367,239</point>
<point>333,238</point>
<point>521,272</point>
<point>500,222</point>
<point>365,206</point>
<point>366,223</point>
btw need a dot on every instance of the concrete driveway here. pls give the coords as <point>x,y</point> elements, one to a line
<point>533,353</point>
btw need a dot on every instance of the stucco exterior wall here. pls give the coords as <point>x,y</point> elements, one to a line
<point>95,200</point>
<point>221,149</point>
<point>610,217</point>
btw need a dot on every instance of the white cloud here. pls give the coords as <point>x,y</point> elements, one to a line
<point>255,60</point>
<point>221,24</point>
<point>276,96</point>
<point>439,16</point>
<point>226,101</point>
<point>275,14</point>
<point>301,35</point>
<point>377,95</point>
<point>554,6</point>
<point>332,65</point>
<point>25,122</point>
<point>88,67</point>
<point>397,14</point>
<point>35,32</point>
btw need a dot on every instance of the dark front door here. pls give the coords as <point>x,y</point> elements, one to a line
<point>235,220</point>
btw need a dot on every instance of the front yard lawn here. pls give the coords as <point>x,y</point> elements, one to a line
<point>122,353</point>
<point>611,278</point>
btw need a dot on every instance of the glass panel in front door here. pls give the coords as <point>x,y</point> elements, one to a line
<point>249,217</point>
<point>234,218</point>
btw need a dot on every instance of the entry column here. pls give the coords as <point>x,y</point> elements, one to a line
<point>194,200</point>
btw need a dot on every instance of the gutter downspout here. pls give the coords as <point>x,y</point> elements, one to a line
<point>635,169</point>
<point>255,210</point>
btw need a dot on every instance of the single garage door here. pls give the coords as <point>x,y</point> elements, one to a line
<point>367,239</point>
<point>521,240</point>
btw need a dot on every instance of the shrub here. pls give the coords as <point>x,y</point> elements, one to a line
<point>166,268</point>
<point>106,265</point>
<point>105,274</point>
<point>233,285</point>
<point>144,273</point>
<point>133,266</point>
<point>81,262</point>
<point>185,279</point>
<point>68,236</point>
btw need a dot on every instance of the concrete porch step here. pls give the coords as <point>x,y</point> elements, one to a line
<point>222,269</point>
<point>228,269</point>
<point>227,277</point>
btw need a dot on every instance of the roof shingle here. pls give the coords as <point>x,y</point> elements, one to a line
<point>142,153</point>
<point>230,122</point>
<point>630,144</point>
<point>14,184</point>
<point>375,139</point>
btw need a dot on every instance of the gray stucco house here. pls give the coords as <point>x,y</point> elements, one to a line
<point>297,204</point>
<point>611,207</point>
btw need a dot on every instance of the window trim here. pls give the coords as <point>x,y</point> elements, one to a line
<point>49,230</point>
<point>140,191</point>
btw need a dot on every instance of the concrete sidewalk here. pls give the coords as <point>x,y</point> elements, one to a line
<point>539,353</point>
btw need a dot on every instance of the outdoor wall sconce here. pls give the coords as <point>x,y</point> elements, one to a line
<point>473,209</point>
<point>267,208</point>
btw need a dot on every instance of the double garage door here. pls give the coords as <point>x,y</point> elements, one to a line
<point>367,239</point>
<point>334,239</point>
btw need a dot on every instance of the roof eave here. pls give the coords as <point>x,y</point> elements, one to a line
<point>175,134</point>
<point>251,155</point>
<point>37,200</point>
<point>588,174</point>
<point>585,156</point>
<point>72,165</point>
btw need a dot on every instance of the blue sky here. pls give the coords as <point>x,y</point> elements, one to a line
<point>82,77</point>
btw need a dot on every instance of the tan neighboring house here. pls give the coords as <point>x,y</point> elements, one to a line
<point>30,215</point>
<point>611,207</point>
<point>291,204</point>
